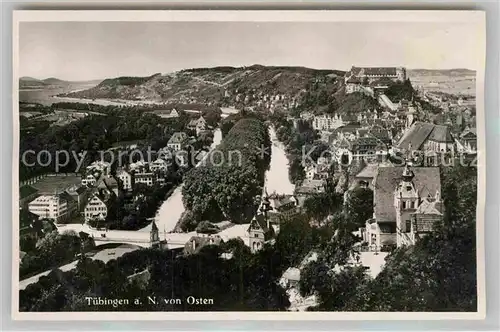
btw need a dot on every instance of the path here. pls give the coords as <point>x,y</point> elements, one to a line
<point>385,101</point>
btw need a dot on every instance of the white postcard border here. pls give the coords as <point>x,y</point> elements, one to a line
<point>257,16</point>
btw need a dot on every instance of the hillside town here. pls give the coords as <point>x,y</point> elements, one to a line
<point>362,156</point>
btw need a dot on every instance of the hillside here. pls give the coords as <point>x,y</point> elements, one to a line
<point>208,84</point>
<point>26,82</point>
<point>55,81</point>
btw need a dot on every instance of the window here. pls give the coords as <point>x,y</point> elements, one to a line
<point>408,226</point>
<point>404,204</point>
<point>256,235</point>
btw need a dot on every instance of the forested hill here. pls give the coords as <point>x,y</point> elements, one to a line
<point>208,84</point>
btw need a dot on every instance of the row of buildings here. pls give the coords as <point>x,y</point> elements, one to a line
<point>98,188</point>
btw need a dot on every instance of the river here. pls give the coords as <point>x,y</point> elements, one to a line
<point>277,180</point>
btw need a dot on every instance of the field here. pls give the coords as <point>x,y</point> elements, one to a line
<point>459,82</point>
<point>53,184</point>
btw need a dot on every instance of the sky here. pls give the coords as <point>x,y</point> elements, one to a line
<point>97,50</point>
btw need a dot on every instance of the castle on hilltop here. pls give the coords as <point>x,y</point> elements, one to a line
<point>369,75</point>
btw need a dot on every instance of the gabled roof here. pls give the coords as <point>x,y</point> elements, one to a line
<point>107,182</point>
<point>471,132</point>
<point>178,137</point>
<point>428,207</point>
<point>441,134</point>
<point>101,196</point>
<point>426,180</point>
<point>416,135</point>
<point>259,222</point>
<point>283,201</point>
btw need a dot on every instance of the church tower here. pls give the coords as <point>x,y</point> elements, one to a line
<point>260,229</point>
<point>406,201</point>
<point>154,236</point>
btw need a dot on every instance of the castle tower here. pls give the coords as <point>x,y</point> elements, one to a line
<point>406,201</point>
<point>401,73</point>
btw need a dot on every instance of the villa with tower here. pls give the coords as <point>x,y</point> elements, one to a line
<point>407,206</point>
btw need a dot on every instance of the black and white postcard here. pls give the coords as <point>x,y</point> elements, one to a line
<point>285,165</point>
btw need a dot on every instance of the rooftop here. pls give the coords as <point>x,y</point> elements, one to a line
<point>360,71</point>
<point>177,138</point>
<point>419,132</point>
<point>426,180</point>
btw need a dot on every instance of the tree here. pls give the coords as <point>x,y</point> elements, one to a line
<point>359,206</point>
<point>314,278</point>
<point>400,90</point>
<point>206,227</point>
<point>226,185</point>
<point>340,288</point>
<point>296,171</point>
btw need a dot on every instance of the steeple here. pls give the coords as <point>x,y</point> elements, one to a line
<point>407,174</point>
<point>154,236</point>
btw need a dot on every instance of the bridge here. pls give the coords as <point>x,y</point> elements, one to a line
<point>144,238</point>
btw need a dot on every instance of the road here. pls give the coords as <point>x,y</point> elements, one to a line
<point>104,255</point>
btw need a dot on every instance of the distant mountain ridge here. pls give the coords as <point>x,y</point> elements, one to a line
<point>27,82</point>
<point>207,84</point>
<point>441,72</point>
